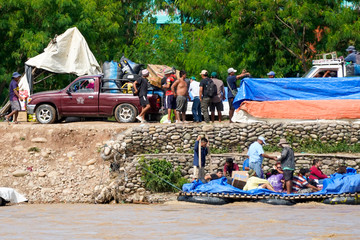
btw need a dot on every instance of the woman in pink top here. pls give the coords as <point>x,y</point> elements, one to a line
<point>315,171</point>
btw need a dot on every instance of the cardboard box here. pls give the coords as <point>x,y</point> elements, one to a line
<point>239,179</point>
<point>156,73</point>
<point>22,117</point>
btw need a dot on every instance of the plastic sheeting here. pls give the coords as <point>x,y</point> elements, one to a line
<point>11,195</point>
<point>220,186</point>
<point>67,53</point>
<point>282,89</point>
<point>111,71</point>
<point>347,183</point>
<point>303,109</point>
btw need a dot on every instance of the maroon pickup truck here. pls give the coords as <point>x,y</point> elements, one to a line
<point>91,96</point>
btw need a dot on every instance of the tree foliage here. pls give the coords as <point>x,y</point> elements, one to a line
<point>259,35</point>
<point>157,174</point>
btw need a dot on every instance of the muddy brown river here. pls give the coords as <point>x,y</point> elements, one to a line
<point>177,220</point>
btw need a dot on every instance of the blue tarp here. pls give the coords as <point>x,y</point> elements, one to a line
<point>220,186</point>
<point>337,184</point>
<point>282,89</point>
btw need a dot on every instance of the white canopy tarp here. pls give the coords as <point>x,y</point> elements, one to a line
<point>11,195</point>
<point>66,53</point>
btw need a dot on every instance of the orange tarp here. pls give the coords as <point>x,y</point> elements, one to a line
<point>303,109</point>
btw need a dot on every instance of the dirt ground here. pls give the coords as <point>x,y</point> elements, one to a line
<point>63,137</point>
<point>57,162</point>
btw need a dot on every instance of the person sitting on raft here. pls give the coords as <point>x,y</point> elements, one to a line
<point>230,166</point>
<point>276,178</point>
<point>256,183</point>
<point>316,173</point>
<point>300,185</point>
<point>341,170</point>
<point>276,170</point>
<point>246,165</point>
<point>219,174</point>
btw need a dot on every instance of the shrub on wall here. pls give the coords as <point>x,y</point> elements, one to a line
<point>155,171</point>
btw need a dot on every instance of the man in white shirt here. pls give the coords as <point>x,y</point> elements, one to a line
<point>196,107</point>
<point>256,154</point>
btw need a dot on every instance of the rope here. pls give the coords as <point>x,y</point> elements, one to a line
<point>144,169</point>
<point>161,178</point>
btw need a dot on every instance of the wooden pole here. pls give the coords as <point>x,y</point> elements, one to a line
<point>200,167</point>
<point>211,166</point>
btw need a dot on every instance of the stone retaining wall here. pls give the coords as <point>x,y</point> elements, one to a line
<point>180,138</point>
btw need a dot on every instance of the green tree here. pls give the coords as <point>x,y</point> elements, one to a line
<point>27,27</point>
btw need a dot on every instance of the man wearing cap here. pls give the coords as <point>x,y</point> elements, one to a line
<point>271,74</point>
<point>256,155</point>
<point>14,97</point>
<point>351,57</point>
<point>216,101</point>
<point>287,160</point>
<point>170,100</point>
<point>141,88</point>
<point>204,98</point>
<point>194,91</point>
<point>232,87</point>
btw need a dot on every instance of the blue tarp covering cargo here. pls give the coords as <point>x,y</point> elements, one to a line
<point>338,184</point>
<point>284,89</point>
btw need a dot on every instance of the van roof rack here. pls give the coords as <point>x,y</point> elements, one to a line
<point>327,59</point>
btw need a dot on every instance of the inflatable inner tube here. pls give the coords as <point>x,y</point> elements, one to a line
<point>204,200</point>
<point>277,201</point>
<point>342,200</point>
<point>2,201</point>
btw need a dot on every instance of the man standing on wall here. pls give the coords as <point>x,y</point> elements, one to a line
<point>170,100</point>
<point>203,94</point>
<point>256,155</point>
<point>141,88</point>
<point>181,94</point>
<point>194,91</point>
<point>232,87</point>
<point>216,101</point>
<point>14,97</point>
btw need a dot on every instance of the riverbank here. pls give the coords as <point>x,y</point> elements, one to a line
<point>62,163</point>
<point>55,163</point>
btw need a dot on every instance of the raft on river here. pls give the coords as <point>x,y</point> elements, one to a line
<point>339,189</point>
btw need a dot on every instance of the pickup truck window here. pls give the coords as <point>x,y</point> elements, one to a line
<point>310,72</point>
<point>83,86</point>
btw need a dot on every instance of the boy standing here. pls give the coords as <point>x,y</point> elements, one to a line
<point>203,150</point>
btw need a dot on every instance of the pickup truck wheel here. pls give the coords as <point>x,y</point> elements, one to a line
<point>125,113</point>
<point>45,114</point>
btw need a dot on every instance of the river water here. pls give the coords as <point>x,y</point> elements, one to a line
<point>179,220</point>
